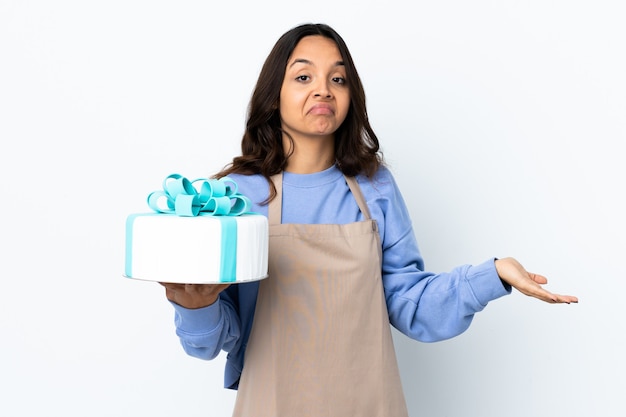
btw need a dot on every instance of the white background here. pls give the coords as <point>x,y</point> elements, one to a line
<point>503,123</point>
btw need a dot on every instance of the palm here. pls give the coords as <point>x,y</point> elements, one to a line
<point>514,274</point>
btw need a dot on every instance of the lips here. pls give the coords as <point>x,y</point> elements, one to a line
<point>322,109</point>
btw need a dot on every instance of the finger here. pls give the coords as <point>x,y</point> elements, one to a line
<point>551,298</point>
<point>171,289</point>
<point>546,296</point>
<point>204,288</point>
<point>172,285</point>
<point>535,290</point>
<point>567,299</point>
<point>170,294</point>
<point>539,279</point>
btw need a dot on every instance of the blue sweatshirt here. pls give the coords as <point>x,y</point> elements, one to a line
<point>423,305</point>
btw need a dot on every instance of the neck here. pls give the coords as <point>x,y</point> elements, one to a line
<point>310,156</point>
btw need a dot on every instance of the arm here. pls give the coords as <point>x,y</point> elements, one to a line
<point>206,318</point>
<point>431,306</point>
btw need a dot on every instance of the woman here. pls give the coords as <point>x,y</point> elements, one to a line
<point>344,263</point>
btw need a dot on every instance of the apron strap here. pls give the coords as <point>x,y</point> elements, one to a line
<point>274,211</point>
<point>358,196</point>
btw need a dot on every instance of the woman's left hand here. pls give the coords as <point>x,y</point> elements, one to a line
<point>514,274</point>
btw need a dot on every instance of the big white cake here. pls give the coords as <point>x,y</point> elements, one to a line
<point>199,248</point>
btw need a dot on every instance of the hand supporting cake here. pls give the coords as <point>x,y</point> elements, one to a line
<point>201,232</point>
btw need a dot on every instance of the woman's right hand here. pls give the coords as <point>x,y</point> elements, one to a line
<point>193,295</point>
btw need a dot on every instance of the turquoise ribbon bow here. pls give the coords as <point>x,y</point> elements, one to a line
<point>213,197</point>
<point>206,197</point>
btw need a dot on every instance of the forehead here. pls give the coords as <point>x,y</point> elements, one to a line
<point>315,49</point>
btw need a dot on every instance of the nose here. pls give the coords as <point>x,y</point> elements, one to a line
<point>322,89</point>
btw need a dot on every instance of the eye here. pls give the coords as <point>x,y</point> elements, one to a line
<point>339,80</point>
<point>302,78</point>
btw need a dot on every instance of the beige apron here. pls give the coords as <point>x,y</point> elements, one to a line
<point>320,344</point>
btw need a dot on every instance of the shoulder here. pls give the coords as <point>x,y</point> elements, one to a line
<point>383,196</point>
<point>386,205</point>
<point>255,187</point>
<point>246,181</point>
<point>380,185</point>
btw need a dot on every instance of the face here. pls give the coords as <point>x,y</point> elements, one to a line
<point>314,98</point>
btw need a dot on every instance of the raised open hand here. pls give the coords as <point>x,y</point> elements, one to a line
<point>514,274</point>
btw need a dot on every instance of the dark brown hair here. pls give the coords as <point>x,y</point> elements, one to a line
<point>356,146</point>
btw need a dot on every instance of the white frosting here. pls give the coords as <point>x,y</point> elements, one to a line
<point>188,250</point>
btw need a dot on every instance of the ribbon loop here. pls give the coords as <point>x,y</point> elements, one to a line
<point>200,197</point>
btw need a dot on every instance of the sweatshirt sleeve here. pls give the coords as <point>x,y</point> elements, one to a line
<point>427,306</point>
<point>204,332</point>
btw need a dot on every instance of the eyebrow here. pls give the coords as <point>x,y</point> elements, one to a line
<point>307,62</point>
